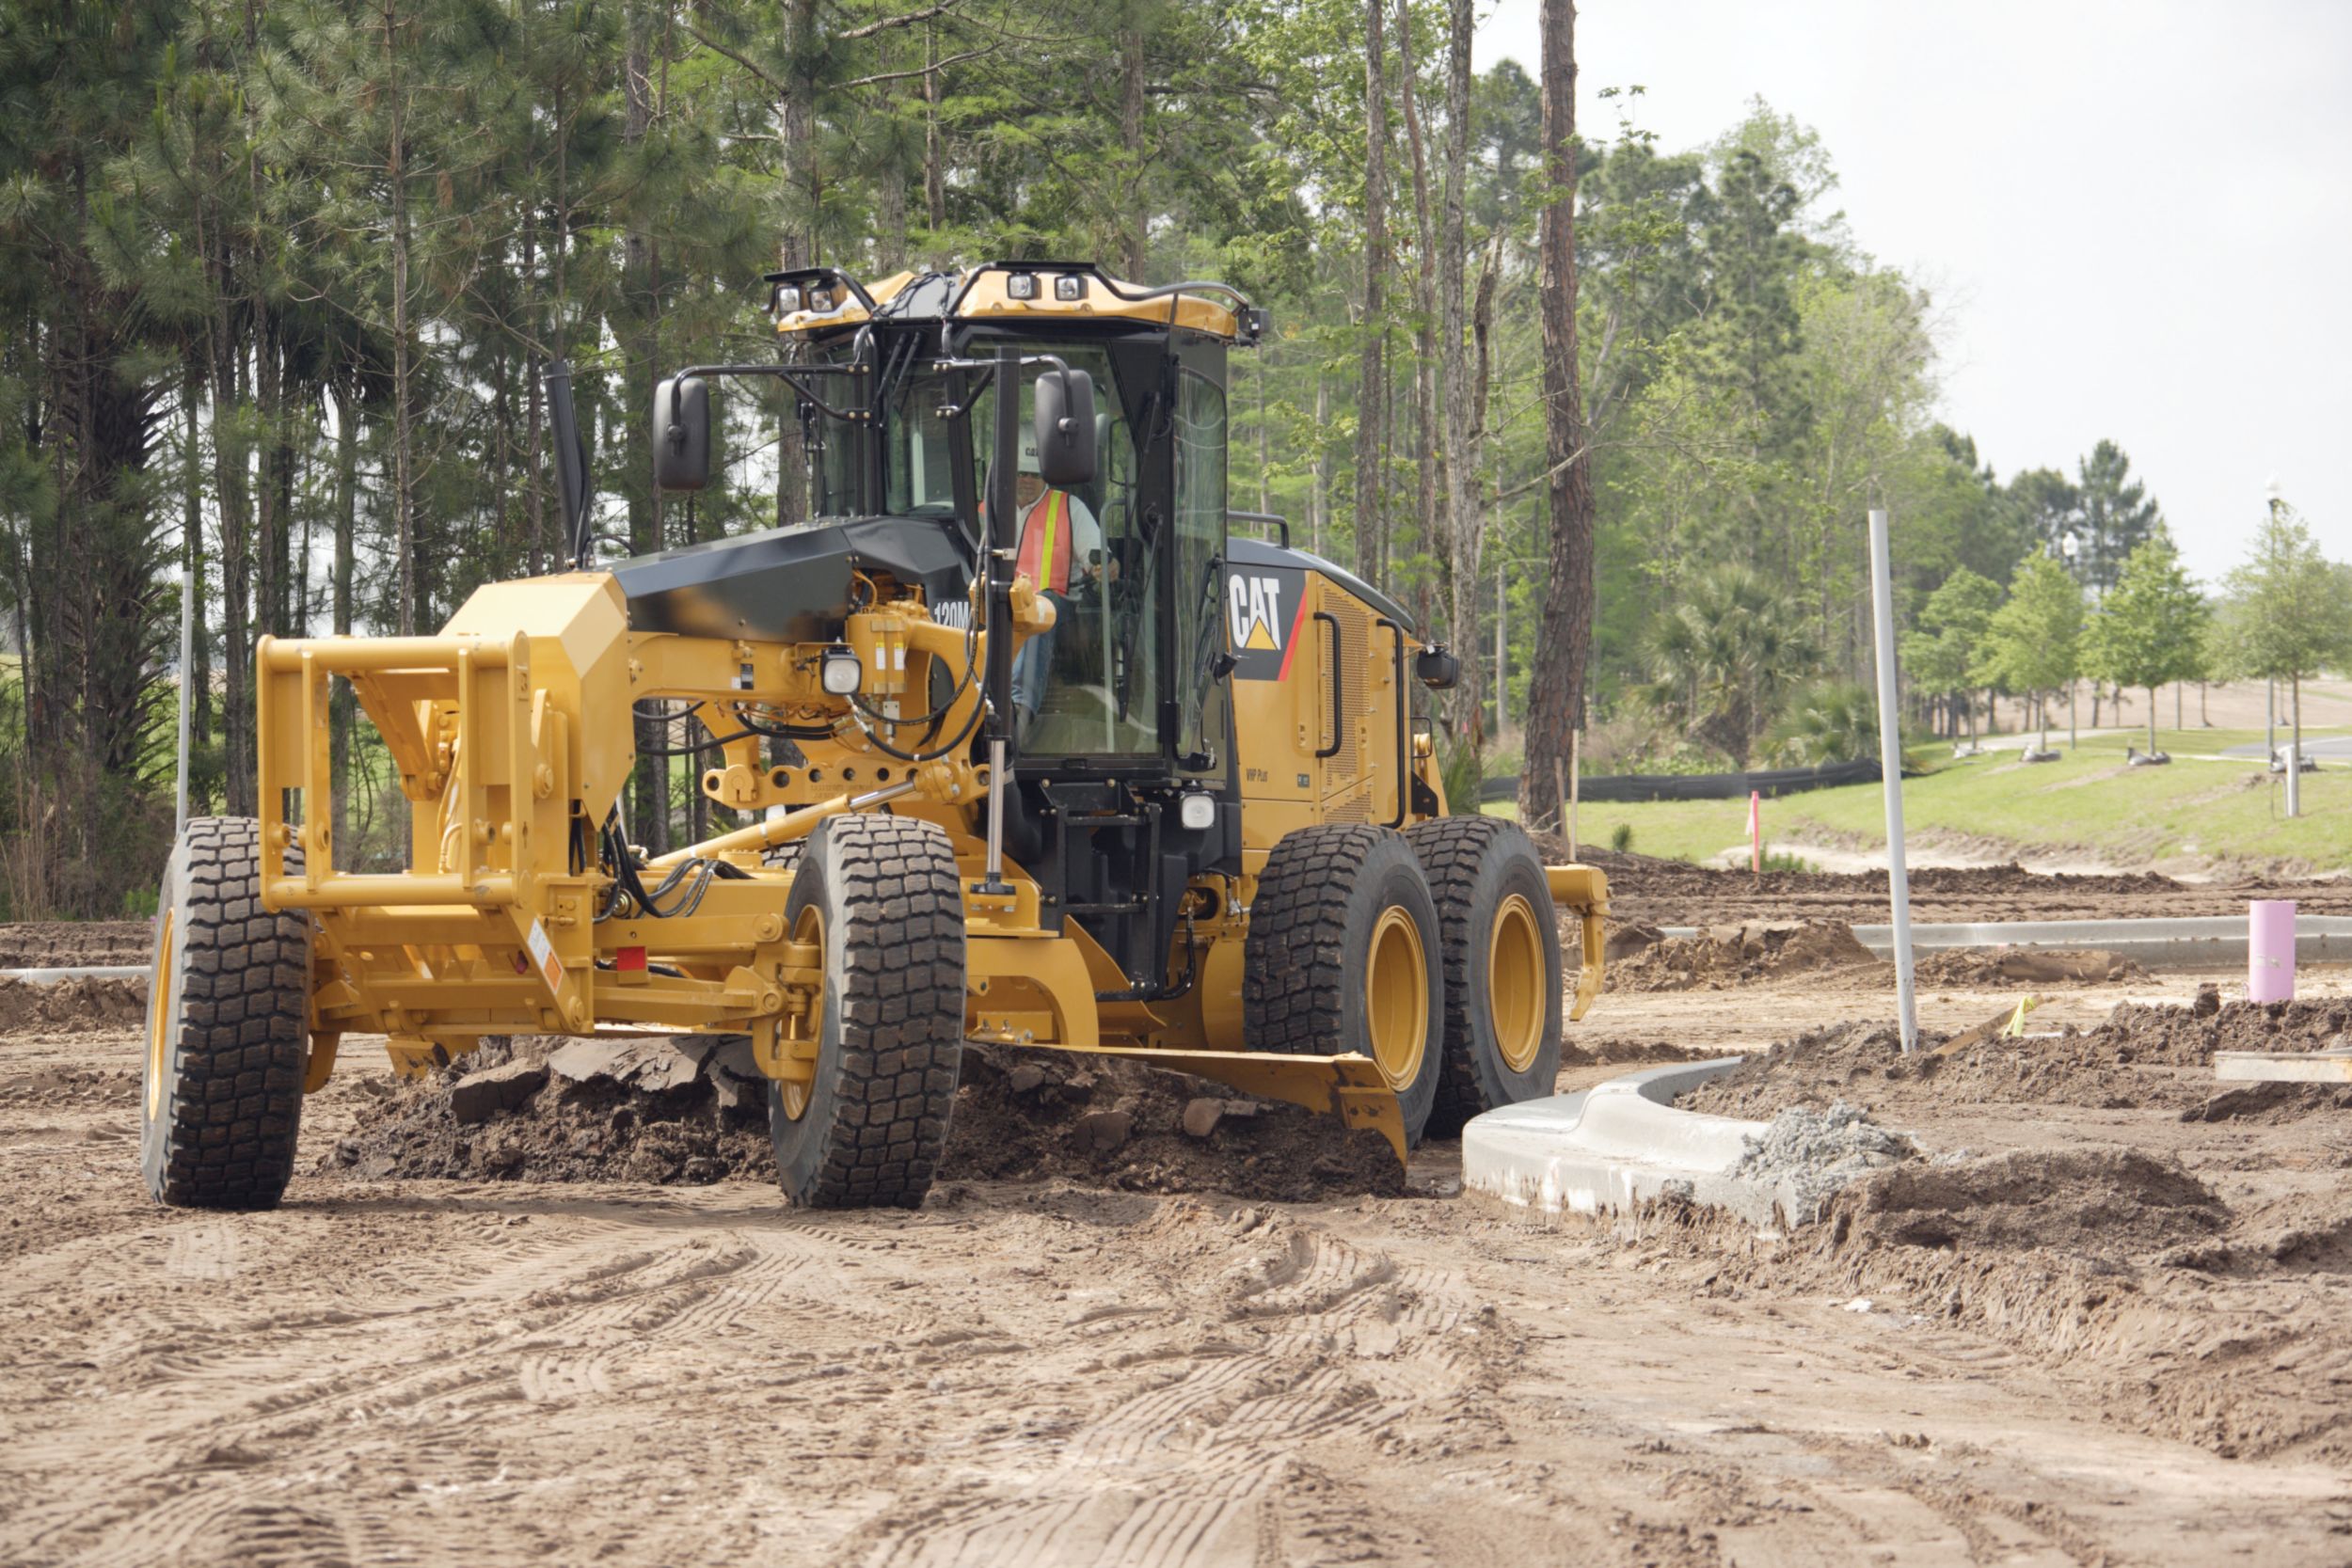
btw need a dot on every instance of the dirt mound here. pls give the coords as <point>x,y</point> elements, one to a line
<point>2183,1037</point>
<point>1037,1113</point>
<point>694,1111</point>
<point>2110,1201</point>
<point>2261,1103</point>
<point>71,1006</point>
<point>75,944</point>
<point>2142,1056</point>
<point>1734,955</point>
<point>1596,1052</point>
<point>2036,966</point>
<point>1676,892</point>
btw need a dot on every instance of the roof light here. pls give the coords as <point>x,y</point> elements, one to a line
<point>1070,286</point>
<point>1020,285</point>
<point>820,300</point>
<point>788,299</point>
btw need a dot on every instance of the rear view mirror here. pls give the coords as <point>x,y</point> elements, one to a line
<point>681,434</point>
<point>1438,669</point>
<point>1065,428</point>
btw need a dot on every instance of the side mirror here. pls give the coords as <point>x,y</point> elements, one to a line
<point>1437,669</point>
<point>681,434</point>
<point>1065,429</point>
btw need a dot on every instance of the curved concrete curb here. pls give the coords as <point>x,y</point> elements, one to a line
<point>1620,1145</point>
<point>50,977</point>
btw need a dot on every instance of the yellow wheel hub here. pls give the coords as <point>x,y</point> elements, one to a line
<point>1515,982</point>
<point>159,1023</point>
<point>804,1031</point>
<point>1396,997</point>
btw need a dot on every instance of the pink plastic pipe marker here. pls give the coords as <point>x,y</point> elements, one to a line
<point>2270,950</point>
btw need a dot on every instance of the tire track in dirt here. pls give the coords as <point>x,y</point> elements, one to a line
<point>558,1345</point>
<point>1179,1475</point>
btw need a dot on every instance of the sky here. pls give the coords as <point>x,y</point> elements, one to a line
<point>2136,219</point>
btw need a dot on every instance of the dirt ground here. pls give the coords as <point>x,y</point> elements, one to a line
<point>1097,1356</point>
<point>1644,888</point>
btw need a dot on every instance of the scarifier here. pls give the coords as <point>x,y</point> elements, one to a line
<point>1022,746</point>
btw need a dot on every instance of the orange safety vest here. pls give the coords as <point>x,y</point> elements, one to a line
<point>1045,542</point>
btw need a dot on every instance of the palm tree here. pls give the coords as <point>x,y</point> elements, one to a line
<point>1721,660</point>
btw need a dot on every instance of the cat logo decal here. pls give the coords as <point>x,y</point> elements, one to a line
<point>1264,610</point>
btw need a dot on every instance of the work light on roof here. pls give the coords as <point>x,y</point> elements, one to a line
<point>788,299</point>
<point>1020,285</point>
<point>1070,286</point>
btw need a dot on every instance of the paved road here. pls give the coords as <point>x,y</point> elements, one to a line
<point>2316,746</point>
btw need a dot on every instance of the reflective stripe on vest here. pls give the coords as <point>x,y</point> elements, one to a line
<point>1045,542</point>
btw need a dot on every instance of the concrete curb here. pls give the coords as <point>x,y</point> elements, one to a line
<point>50,977</point>
<point>1619,1144</point>
<point>2199,942</point>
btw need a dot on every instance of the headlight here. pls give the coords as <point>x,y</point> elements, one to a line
<point>841,672</point>
<point>788,300</point>
<point>1197,812</point>
<point>1020,285</point>
<point>1070,286</point>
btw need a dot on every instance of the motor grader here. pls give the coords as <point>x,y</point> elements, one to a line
<point>1144,788</point>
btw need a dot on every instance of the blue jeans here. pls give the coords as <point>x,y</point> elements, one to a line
<point>1034,663</point>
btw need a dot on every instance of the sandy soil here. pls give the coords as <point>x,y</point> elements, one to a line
<point>1047,1370</point>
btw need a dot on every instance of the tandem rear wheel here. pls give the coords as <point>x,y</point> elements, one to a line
<point>1343,955</point>
<point>1500,938</point>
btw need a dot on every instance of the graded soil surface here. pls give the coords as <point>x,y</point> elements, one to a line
<point>1643,889</point>
<point>1091,1355</point>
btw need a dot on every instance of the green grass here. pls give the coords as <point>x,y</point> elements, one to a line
<point>2086,803</point>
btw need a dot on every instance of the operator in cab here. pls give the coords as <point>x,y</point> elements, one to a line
<point>1061,549</point>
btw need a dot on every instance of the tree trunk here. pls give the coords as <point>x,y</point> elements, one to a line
<point>195,685</point>
<point>651,796</point>
<point>404,355</point>
<point>934,153</point>
<point>1464,517</point>
<point>1424,295</point>
<point>236,579</point>
<point>1565,638</point>
<point>1136,220</point>
<point>342,705</point>
<point>1319,494</point>
<point>1373,377</point>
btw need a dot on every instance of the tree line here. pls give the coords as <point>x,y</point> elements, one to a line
<point>284,277</point>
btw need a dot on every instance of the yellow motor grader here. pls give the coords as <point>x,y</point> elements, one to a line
<point>1019,745</point>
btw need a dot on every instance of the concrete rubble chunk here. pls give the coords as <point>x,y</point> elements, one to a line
<point>478,1096</point>
<point>660,1064</point>
<point>1103,1130</point>
<point>580,1060</point>
<point>1204,1115</point>
<point>1201,1116</point>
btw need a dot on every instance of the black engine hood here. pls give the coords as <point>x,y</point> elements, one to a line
<point>790,584</point>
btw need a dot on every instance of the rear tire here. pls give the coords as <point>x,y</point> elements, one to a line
<point>881,895</point>
<point>227,1027</point>
<point>1501,941</point>
<point>1343,956</point>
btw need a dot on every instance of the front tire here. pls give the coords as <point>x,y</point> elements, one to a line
<point>227,1027</point>
<point>1343,956</point>
<point>1501,939</point>
<point>879,896</point>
